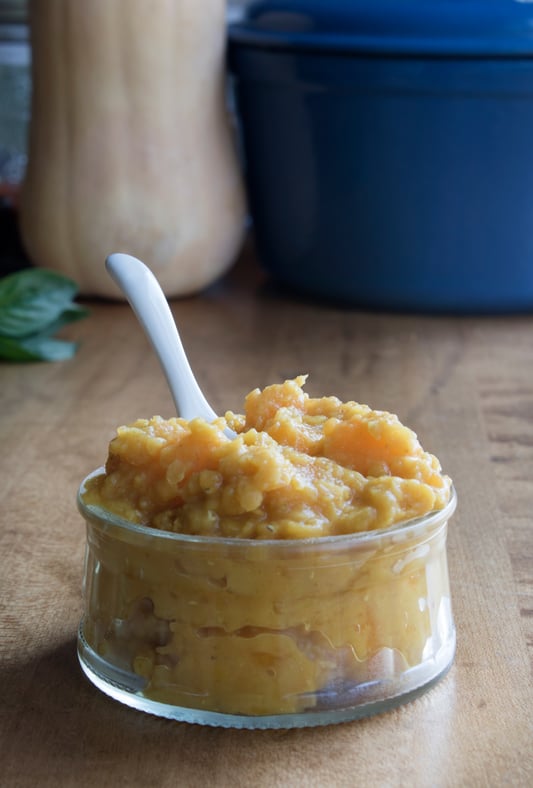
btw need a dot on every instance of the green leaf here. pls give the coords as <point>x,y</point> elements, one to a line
<point>34,304</point>
<point>39,347</point>
<point>70,315</point>
<point>32,299</point>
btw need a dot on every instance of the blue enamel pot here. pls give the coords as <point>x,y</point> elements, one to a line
<point>388,149</point>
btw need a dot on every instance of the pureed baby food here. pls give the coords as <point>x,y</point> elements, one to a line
<point>293,574</point>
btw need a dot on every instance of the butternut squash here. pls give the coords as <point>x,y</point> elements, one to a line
<point>131,147</point>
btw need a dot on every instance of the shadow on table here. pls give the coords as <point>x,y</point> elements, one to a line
<point>53,712</point>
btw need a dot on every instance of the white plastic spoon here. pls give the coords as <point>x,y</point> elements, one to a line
<point>148,301</point>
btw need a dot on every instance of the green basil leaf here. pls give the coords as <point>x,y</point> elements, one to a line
<point>39,347</point>
<point>32,299</point>
<point>70,315</point>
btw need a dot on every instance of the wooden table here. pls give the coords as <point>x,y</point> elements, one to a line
<point>464,384</point>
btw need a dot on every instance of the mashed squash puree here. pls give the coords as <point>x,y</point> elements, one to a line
<point>274,625</point>
<point>299,467</point>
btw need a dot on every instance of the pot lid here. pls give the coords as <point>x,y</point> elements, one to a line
<point>430,27</point>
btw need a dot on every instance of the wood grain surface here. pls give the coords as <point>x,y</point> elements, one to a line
<point>465,384</point>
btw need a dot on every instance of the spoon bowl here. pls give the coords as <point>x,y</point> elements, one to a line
<point>152,310</point>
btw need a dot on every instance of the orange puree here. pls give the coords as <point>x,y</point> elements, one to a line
<point>299,467</point>
<point>268,627</point>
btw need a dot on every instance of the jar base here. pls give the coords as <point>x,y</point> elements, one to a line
<point>127,688</point>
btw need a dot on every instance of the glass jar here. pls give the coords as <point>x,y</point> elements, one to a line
<point>265,634</point>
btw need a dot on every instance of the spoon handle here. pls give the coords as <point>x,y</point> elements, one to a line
<point>150,305</point>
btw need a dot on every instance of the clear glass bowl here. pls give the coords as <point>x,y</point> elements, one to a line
<point>265,634</point>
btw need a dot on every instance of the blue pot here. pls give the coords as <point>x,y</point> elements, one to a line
<point>389,149</point>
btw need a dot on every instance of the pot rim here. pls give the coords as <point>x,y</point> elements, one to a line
<point>470,28</point>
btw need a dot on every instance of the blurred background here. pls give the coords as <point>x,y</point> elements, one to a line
<point>384,145</point>
<point>15,97</point>
<point>15,91</point>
